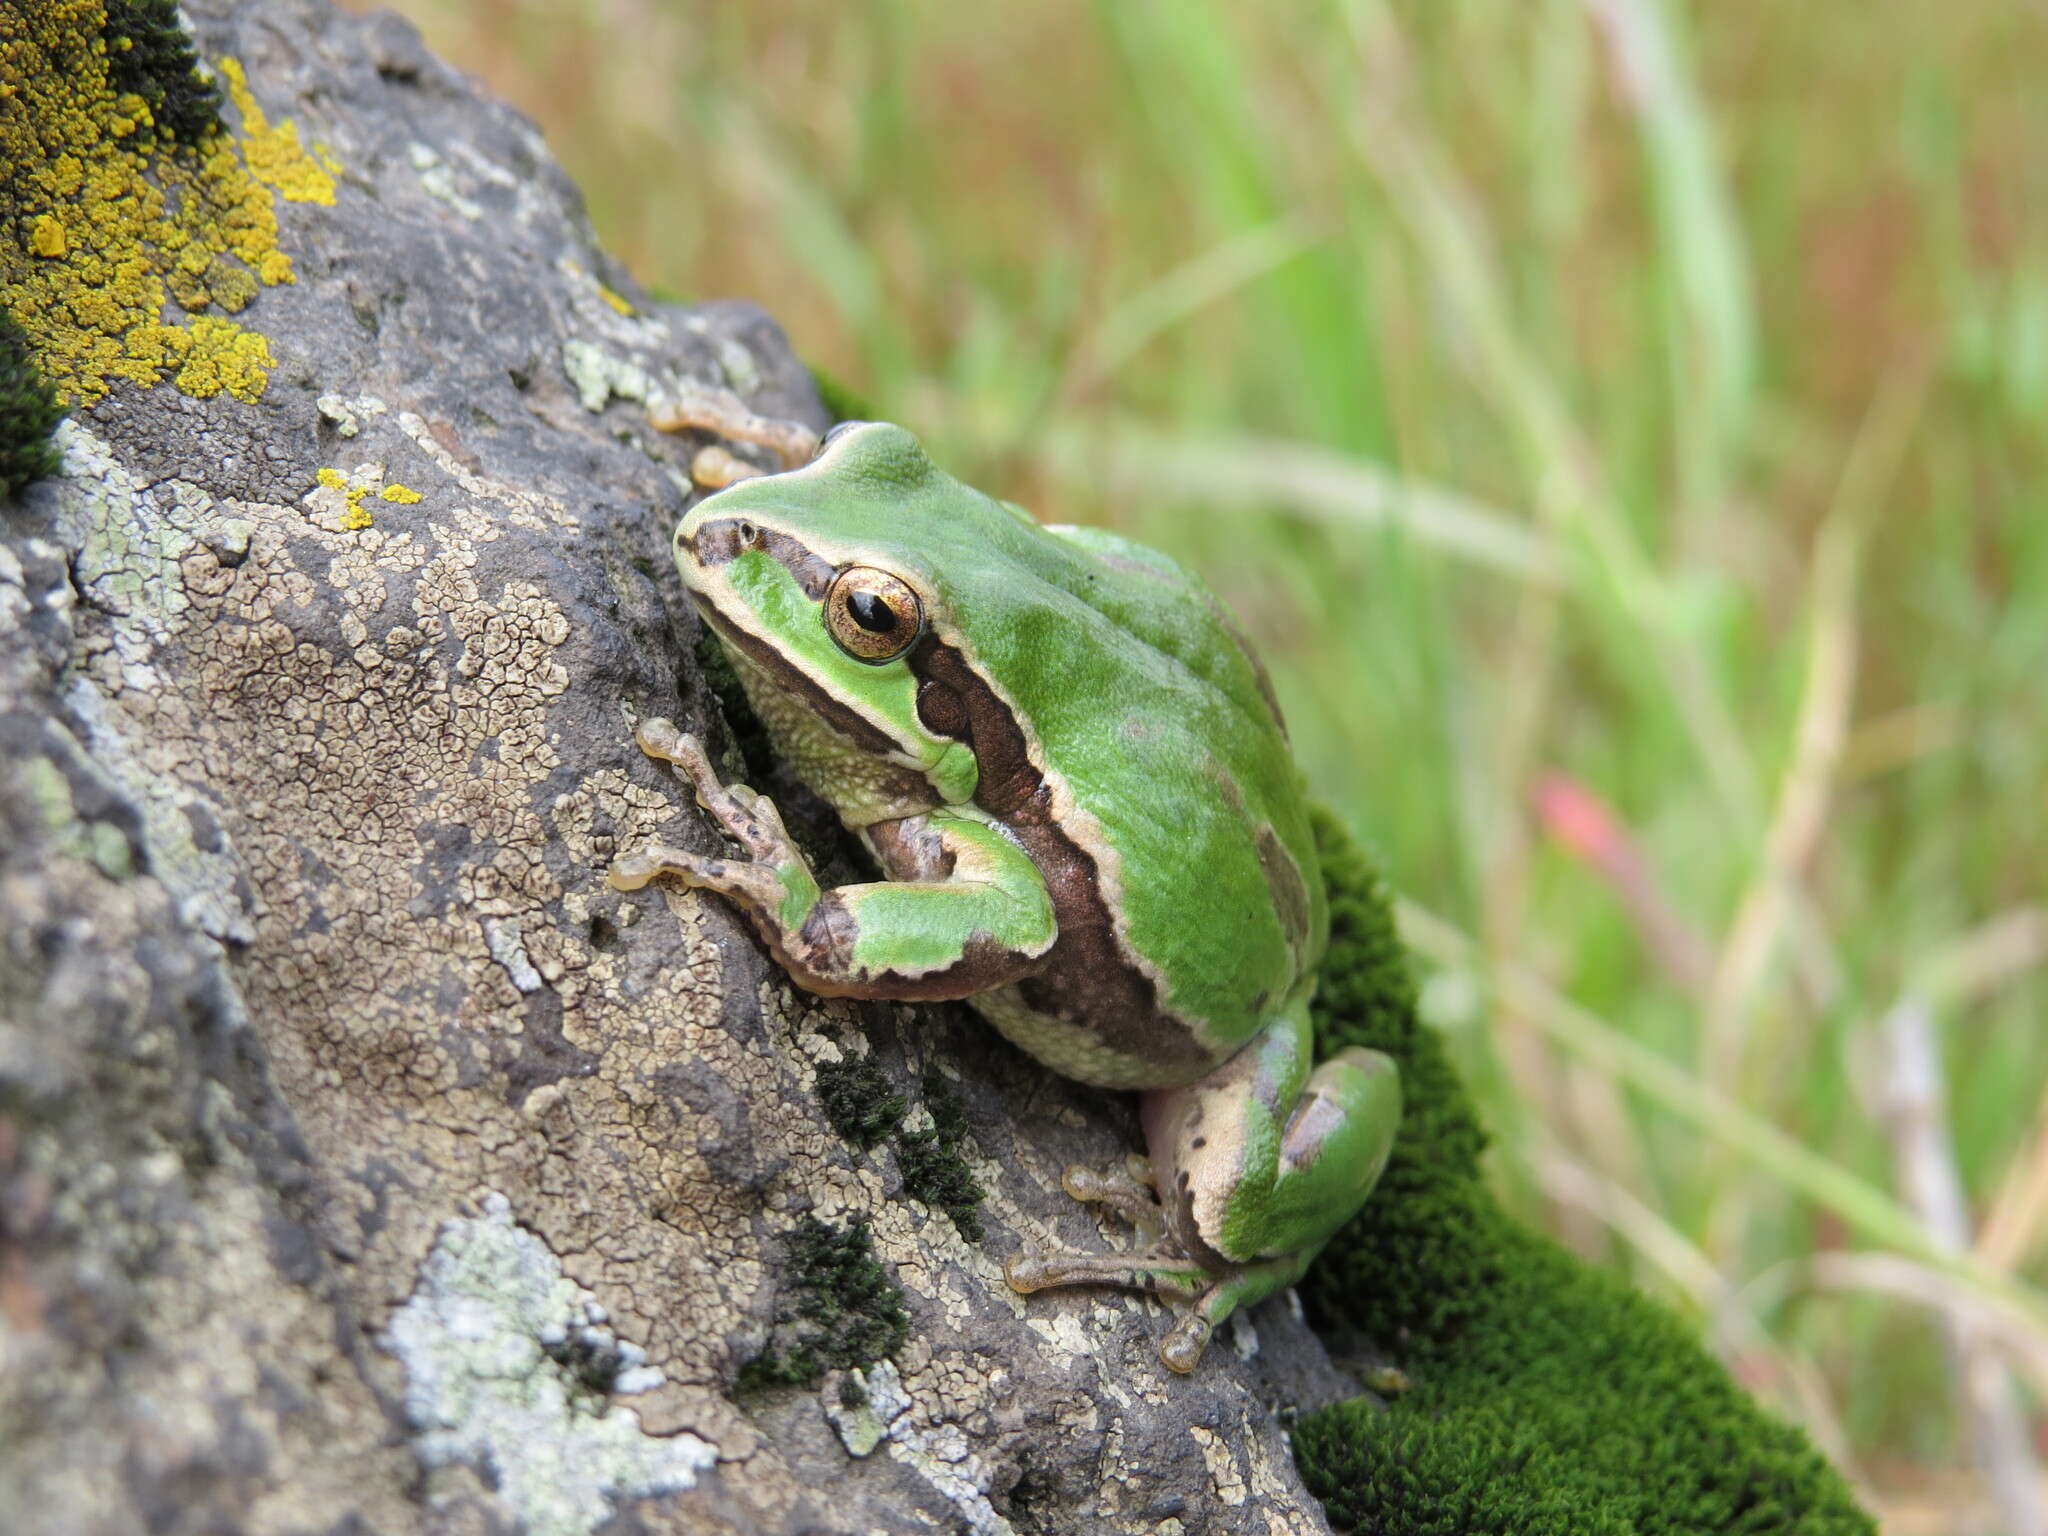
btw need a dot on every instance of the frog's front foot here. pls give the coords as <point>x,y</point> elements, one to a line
<point>983,920</point>
<point>760,883</point>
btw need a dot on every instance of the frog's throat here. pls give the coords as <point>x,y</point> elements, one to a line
<point>760,669</point>
<point>867,779</point>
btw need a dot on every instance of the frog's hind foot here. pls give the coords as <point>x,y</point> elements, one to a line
<point>1201,1297</point>
<point>1127,1190</point>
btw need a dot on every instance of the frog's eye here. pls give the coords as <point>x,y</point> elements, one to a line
<point>871,615</point>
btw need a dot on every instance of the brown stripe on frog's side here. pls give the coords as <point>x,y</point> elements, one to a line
<point>1088,980</point>
<point>1291,900</point>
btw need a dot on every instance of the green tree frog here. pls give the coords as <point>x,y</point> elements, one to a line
<point>1074,778</point>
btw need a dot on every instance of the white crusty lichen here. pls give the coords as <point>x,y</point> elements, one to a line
<point>879,1411</point>
<point>438,180</point>
<point>600,375</point>
<point>510,1369</point>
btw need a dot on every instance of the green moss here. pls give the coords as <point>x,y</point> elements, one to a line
<point>152,58</point>
<point>840,1309</point>
<point>933,1169</point>
<point>1546,1397</point>
<point>29,412</point>
<point>858,1100</point>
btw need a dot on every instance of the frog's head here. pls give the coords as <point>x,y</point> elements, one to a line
<point>824,584</point>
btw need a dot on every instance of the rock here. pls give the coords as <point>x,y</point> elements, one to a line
<point>366,1163</point>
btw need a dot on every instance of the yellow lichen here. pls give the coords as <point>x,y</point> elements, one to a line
<point>221,356</point>
<point>275,155</point>
<point>46,236</point>
<point>617,301</point>
<point>355,515</point>
<point>115,220</point>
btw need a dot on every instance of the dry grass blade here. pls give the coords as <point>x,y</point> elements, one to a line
<point>1827,698</point>
<point>1444,219</point>
<point>1190,287</point>
<point>2019,1211</point>
<point>1140,461</point>
<point>2017,1335</point>
<point>1915,1111</point>
<point>1862,1205</point>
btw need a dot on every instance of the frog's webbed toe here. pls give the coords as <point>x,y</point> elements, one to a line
<point>1127,1190</point>
<point>1160,1268</point>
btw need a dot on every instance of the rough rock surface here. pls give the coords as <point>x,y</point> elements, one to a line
<point>366,1164</point>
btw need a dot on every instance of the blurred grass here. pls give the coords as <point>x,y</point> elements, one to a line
<point>1624,426</point>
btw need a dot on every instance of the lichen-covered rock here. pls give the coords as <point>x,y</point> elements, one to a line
<point>366,1163</point>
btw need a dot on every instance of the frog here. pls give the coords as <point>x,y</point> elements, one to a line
<point>1073,776</point>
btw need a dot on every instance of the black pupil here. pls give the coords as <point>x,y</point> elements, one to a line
<point>871,613</point>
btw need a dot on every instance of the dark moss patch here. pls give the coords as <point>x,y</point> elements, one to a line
<point>842,402</point>
<point>29,412</point>
<point>933,1169</point>
<point>1545,1397</point>
<point>149,55</point>
<point>749,736</point>
<point>592,1361</point>
<point>840,1309</point>
<point>858,1100</point>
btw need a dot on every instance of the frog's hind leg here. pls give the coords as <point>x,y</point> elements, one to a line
<point>1182,1349</point>
<point>1263,1164</point>
<point>1256,1165</point>
<point>1267,1156</point>
<point>1201,1296</point>
<point>1155,1271</point>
